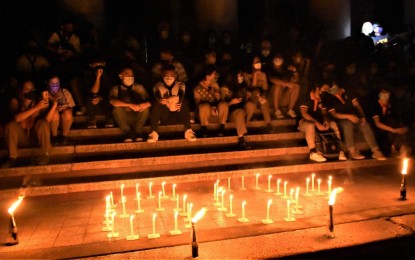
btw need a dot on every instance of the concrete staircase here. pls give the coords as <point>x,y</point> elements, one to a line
<point>98,159</point>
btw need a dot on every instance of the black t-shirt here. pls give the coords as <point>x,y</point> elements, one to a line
<point>334,103</point>
<point>313,110</point>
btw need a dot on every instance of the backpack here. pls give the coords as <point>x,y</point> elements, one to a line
<point>328,144</point>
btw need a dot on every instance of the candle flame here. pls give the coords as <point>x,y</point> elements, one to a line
<point>15,205</point>
<point>122,185</point>
<point>405,166</point>
<point>333,195</point>
<point>269,202</point>
<point>199,215</point>
<point>131,217</point>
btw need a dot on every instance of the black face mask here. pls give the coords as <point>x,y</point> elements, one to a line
<point>30,95</point>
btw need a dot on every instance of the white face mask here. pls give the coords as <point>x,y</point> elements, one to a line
<point>128,81</point>
<point>169,80</point>
<point>240,79</point>
<point>257,66</point>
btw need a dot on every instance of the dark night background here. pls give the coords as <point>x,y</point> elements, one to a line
<point>42,17</point>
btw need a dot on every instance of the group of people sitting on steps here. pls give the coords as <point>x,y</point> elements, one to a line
<point>243,85</point>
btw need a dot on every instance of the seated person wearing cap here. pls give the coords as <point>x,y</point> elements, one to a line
<point>345,108</point>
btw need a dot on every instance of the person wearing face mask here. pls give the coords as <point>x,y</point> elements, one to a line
<point>63,115</point>
<point>131,105</point>
<point>29,124</point>
<point>391,128</point>
<point>170,105</point>
<point>207,96</point>
<point>166,57</point>
<point>258,87</point>
<point>345,108</point>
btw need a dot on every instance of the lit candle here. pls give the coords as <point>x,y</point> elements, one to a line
<point>136,189</point>
<point>268,206</point>
<point>243,209</point>
<point>285,188</point>
<point>318,185</point>
<point>269,183</point>
<point>149,188</point>
<point>229,183</point>
<point>256,181</point>
<point>122,191</point>
<point>154,223</point>
<point>184,203</point>
<point>329,185</point>
<point>403,183</point>
<point>331,204</point>
<point>223,194</point>
<point>189,211</point>
<point>162,188</point>
<point>230,204</point>
<point>292,194</point>
<point>112,199</point>
<point>139,210</point>
<point>175,220</point>
<point>174,190</point>
<point>312,181</point>
<point>278,187</point>
<point>288,210</point>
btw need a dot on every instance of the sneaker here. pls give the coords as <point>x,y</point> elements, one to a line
<point>278,114</point>
<point>292,113</point>
<point>109,124</point>
<point>317,157</point>
<point>81,112</point>
<point>342,156</point>
<point>190,135</point>
<point>9,163</point>
<point>92,124</point>
<point>221,131</point>
<point>54,140</point>
<point>138,138</point>
<point>153,137</point>
<point>128,138</point>
<point>378,155</point>
<point>356,155</point>
<point>203,132</point>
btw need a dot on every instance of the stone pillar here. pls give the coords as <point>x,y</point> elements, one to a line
<point>335,15</point>
<point>218,15</point>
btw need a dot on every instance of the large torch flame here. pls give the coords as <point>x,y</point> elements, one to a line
<point>15,205</point>
<point>199,215</point>
<point>405,166</point>
<point>333,195</point>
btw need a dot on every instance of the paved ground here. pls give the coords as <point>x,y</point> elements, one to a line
<point>368,212</point>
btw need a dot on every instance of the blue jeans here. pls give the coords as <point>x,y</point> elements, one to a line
<point>348,127</point>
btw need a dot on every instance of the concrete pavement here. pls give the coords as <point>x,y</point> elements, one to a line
<point>70,225</point>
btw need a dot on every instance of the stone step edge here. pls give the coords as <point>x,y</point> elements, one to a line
<point>180,143</point>
<point>176,128</point>
<point>207,176</point>
<point>149,161</point>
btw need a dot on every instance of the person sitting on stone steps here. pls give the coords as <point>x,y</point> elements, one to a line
<point>169,105</point>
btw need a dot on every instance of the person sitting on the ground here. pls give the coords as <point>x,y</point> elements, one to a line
<point>258,88</point>
<point>29,124</point>
<point>284,91</point>
<point>170,105</point>
<point>345,108</point>
<point>207,99</point>
<point>235,92</point>
<point>131,106</point>
<point>390,128</point>
<point>63,115</point>
<point>314,117</point>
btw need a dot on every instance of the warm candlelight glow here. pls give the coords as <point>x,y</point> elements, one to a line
<point>405,166</point>
<point>333,195</point>
<point>15,204</point>
<point>199,215</point>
